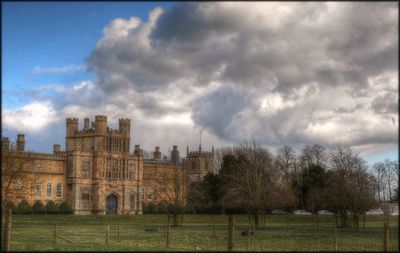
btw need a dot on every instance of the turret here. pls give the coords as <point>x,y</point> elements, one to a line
<point>175,155</point>
<point>5,144</point>
<point>157,153</point>
<point>125,126</point>
<point>56,148</point>
<point>20,142</point>
<point>138,151</point>
<point>86,124</point>
<point>100,124</point>
<point>72,126</point>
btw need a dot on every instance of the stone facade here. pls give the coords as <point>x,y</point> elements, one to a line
<point>97,174</point>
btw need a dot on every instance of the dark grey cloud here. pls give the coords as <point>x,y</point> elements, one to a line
<point>217,110</point>
<point>387,103</point>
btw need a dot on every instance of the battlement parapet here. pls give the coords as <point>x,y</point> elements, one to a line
<point>113,131</point>
<point>124,121</point>
<point>33,155</point>
<point>72,121</point>
<point>84,132</point>
<point>100,118</point>
<point>200,154</point>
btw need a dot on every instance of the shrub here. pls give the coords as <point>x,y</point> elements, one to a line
<point>38,207</point>
<point>12,206</point>
<point>52,208</point>
<point>65,208</point>
<point>145,208</point>
<point>152,208</point>
<point>161,208</point>
<point>24,207</point>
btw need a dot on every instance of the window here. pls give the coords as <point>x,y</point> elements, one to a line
<point>131,171</point>
<point>133,204</point>
<point>85,171</point>
<point>85,197</point>
<point>142,193</point>
<point>149,194</point>
<point>49,190</point>
<point>193,165</point>
<point>59,190</point>
<point>38,190</point>
<point>20,183</point>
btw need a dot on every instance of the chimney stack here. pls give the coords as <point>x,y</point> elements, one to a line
<point>56,148</point>
<point>175,155</point>
<point>157,153</point>
<point>86,124</point>
<point>5,144</point>
<point>20,142</point>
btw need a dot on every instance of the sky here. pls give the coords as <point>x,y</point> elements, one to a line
<point>219,73</point>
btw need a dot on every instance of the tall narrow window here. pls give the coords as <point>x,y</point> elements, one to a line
<point>38,190</point>
<point>59,190</point>
<point>133,204</point>
<point>48,190</point>
<point>85,170</point>
<point>20,183</point>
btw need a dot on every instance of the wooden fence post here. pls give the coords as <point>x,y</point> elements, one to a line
<point>334,241</point>
<point>231,228</point>
<point>287,227</point>
<point>168,233</point>
<point>107,232</point>
<point>55,233</point>
<point>248,238</point>
<point>7,231</point>
<point>364,221</point>
<point>385,237</point>
<point>214,228</point>
<point>118,233</point>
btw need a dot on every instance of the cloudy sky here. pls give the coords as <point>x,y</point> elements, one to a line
<point>281,73</point>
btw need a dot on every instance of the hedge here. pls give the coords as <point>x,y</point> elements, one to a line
<point>65,208</point>
<point>38,207</point>
<point>52,208</point>
<point>24,207</point>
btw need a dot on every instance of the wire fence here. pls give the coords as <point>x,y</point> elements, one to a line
<point>133,236</point>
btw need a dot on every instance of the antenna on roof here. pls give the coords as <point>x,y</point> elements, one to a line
<point>105,98</point>
<point>201,132</point>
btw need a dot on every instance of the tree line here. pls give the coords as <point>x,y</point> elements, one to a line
<point>251,179</point>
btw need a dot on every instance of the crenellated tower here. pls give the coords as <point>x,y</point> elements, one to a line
<point>98,160</point>
<point>197,164</point>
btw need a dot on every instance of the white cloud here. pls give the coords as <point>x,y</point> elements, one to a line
<point>58,70</point>
<point>32,117</point>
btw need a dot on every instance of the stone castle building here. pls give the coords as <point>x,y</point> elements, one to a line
<point>97,173</point>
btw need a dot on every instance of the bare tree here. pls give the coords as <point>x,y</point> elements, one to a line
<point>170,189</point>
<point>252,180</point>
<point>391,174</point>
<point>351,186</point>
<point>18,178</point>
<point>379,168</point>
<point>285,163</point>
<point>219,154</point>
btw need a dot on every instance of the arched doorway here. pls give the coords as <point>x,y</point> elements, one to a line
<point>111,204</point>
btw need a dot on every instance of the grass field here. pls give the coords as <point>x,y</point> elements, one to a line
<point>199,232</point>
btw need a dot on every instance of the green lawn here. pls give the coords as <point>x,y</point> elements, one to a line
<point>199,232</point>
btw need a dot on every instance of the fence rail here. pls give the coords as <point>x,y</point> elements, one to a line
<point>281,235</point>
